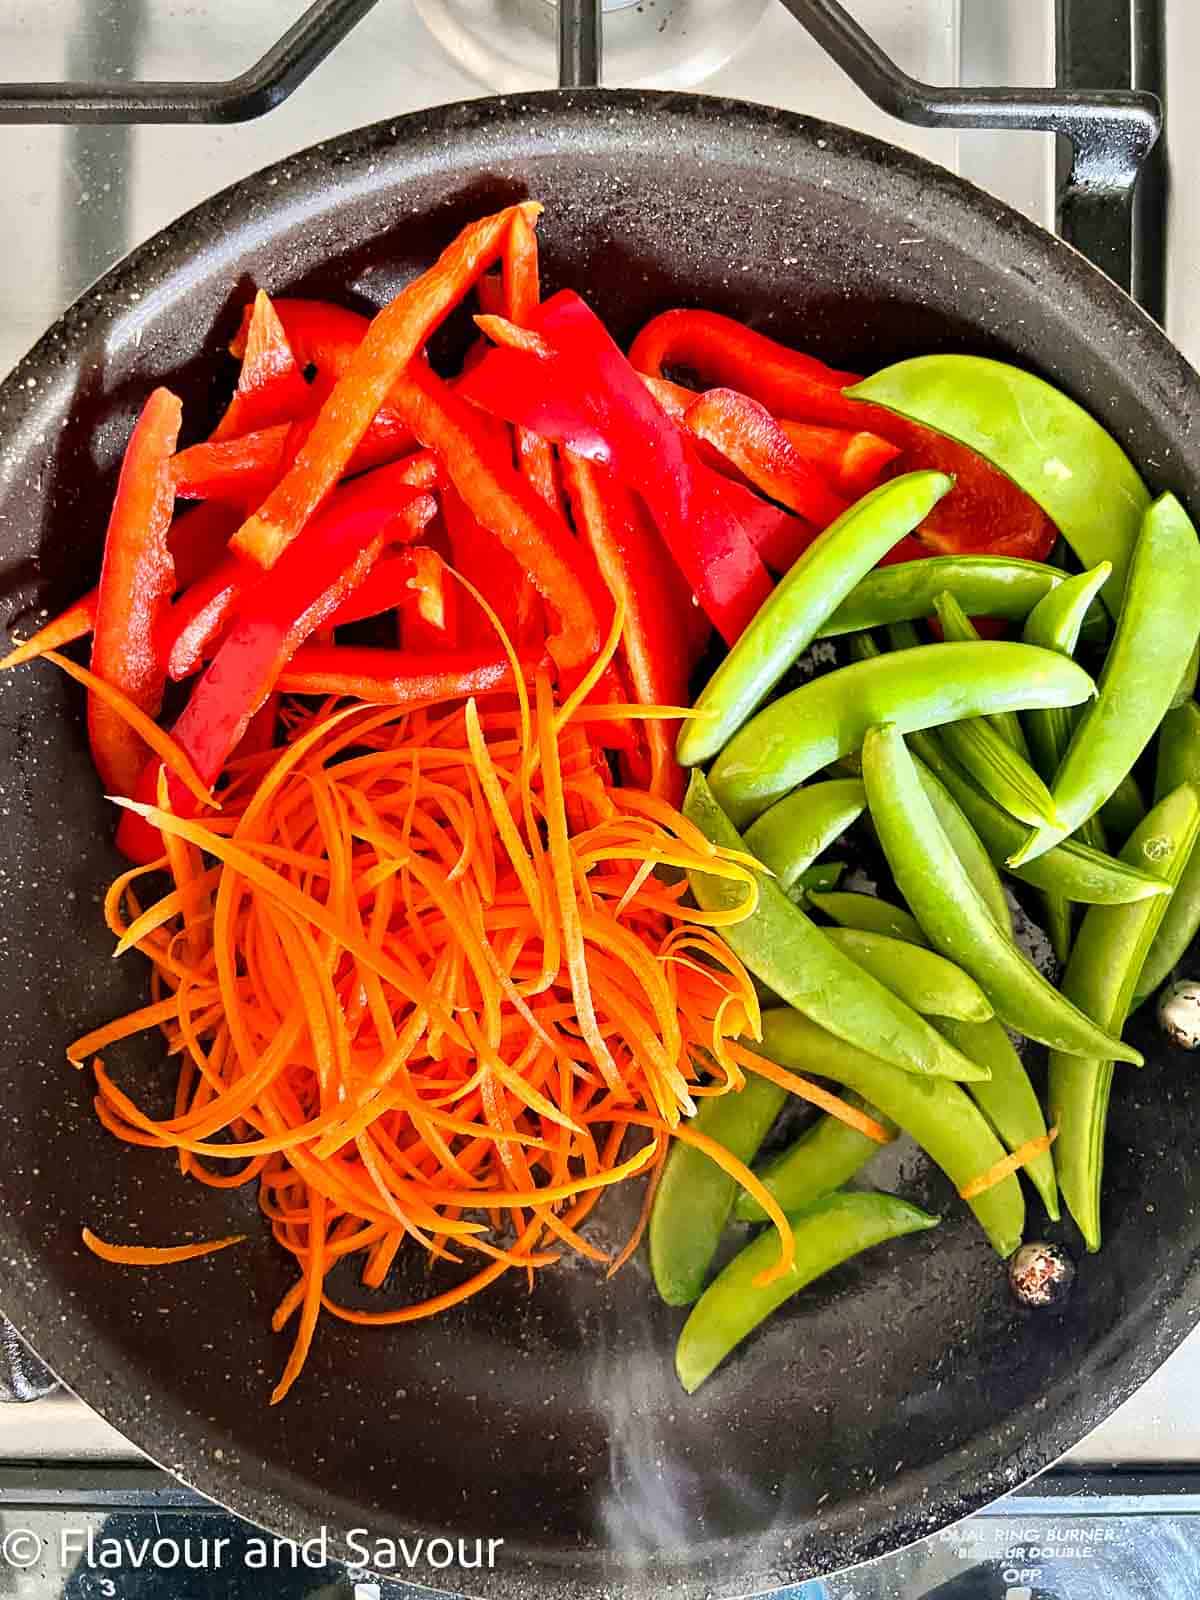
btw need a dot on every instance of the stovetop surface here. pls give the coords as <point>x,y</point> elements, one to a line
<point>78,198</point>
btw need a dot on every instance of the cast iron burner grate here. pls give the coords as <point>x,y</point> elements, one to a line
<point>1105,109</point>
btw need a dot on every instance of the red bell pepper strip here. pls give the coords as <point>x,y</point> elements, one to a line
<point>672,397</point>
<point>199,537</point>
<point>241,472</point>
<point>237,472</point>
<point>325,336</point>
<point>588,397</point>
<point>788,544</point>
<point>414,579</point>
<point>505,504</point>
<point>432,581</point>
<point>508,332</point>
<point>720,351</point>
<point>259,736</point>
<point>984,513</point>
<point>204,611</point>
<point>429,608</point>
<point>485,563</point>
<point>509,298</point>
<point>635,564</point>
<point>395,677</point>
<point>388,439</point>
<point>196,541</point>
<point>853,462</point>
<point>137,580</point>
<point>321,334</point>
<point>490,292</point>
<point>750,437</point>
<point>522,293</point>
<point>393,339</point>
<point>275,617</point>
<point>137,839</point>
<point>201,614</point>
<point>271,387</point>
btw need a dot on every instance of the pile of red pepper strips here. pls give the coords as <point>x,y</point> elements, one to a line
<point>554,473</point>
<point>581,495</point>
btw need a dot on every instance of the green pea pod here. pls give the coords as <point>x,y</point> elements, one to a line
<point>1007,1099</point>
<point>1059,920</point>
<point>793,957</point>
<point>1060,456</point>
<point>967,846</point>
<point>826,718</point>
<point>822,876</point>
<point>1054,624</point>
<point>985,586</point>
<point>991,749</point>
<point>927,982</point>
<point>903,635</point>
<point>863,647</point>
<point>694,1197</point>
<point>822,1159</point>
<point>1072,870</point>
<point>1101,976</point>
<point>938,1114</point>
<point>1187,684</point>
<point>1123,810</point>
<point>999,770</point>
<point>1157,629</point>
<point>792,834</point>
<point>1178,750</point>
<point>1092,834</point>
<point>1179,926</point>
<point>957,628</point>
<point>952,914</point>
<point>985,763</point>
<point>787,621</point>
<point>872,915</point>
<point>831,1231</point>
<point>964,841</point>
<point>1178,762</point>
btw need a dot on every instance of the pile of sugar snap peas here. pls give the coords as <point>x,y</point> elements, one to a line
<point>970,757</point>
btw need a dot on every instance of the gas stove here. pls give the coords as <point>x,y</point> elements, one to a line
<point>134,110</point>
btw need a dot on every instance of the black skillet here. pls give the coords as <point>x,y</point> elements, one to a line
<point>901,1394</point>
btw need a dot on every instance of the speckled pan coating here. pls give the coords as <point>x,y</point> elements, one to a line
<point>906,1391</point>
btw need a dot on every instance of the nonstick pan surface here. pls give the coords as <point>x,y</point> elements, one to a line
<point>901,1393</point>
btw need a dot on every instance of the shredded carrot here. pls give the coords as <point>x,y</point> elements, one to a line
<point>149,1255</point>
<point>635,1238</point>
<point>814,1094</point>
<point>741,1173</point>
<point>423,969</point>
<point>619,711</point>
<point>159,741</point>
<point>76,622</point>
<point>1020,1157</point>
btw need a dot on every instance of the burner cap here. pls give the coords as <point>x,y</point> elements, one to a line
<point>511,45</point>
